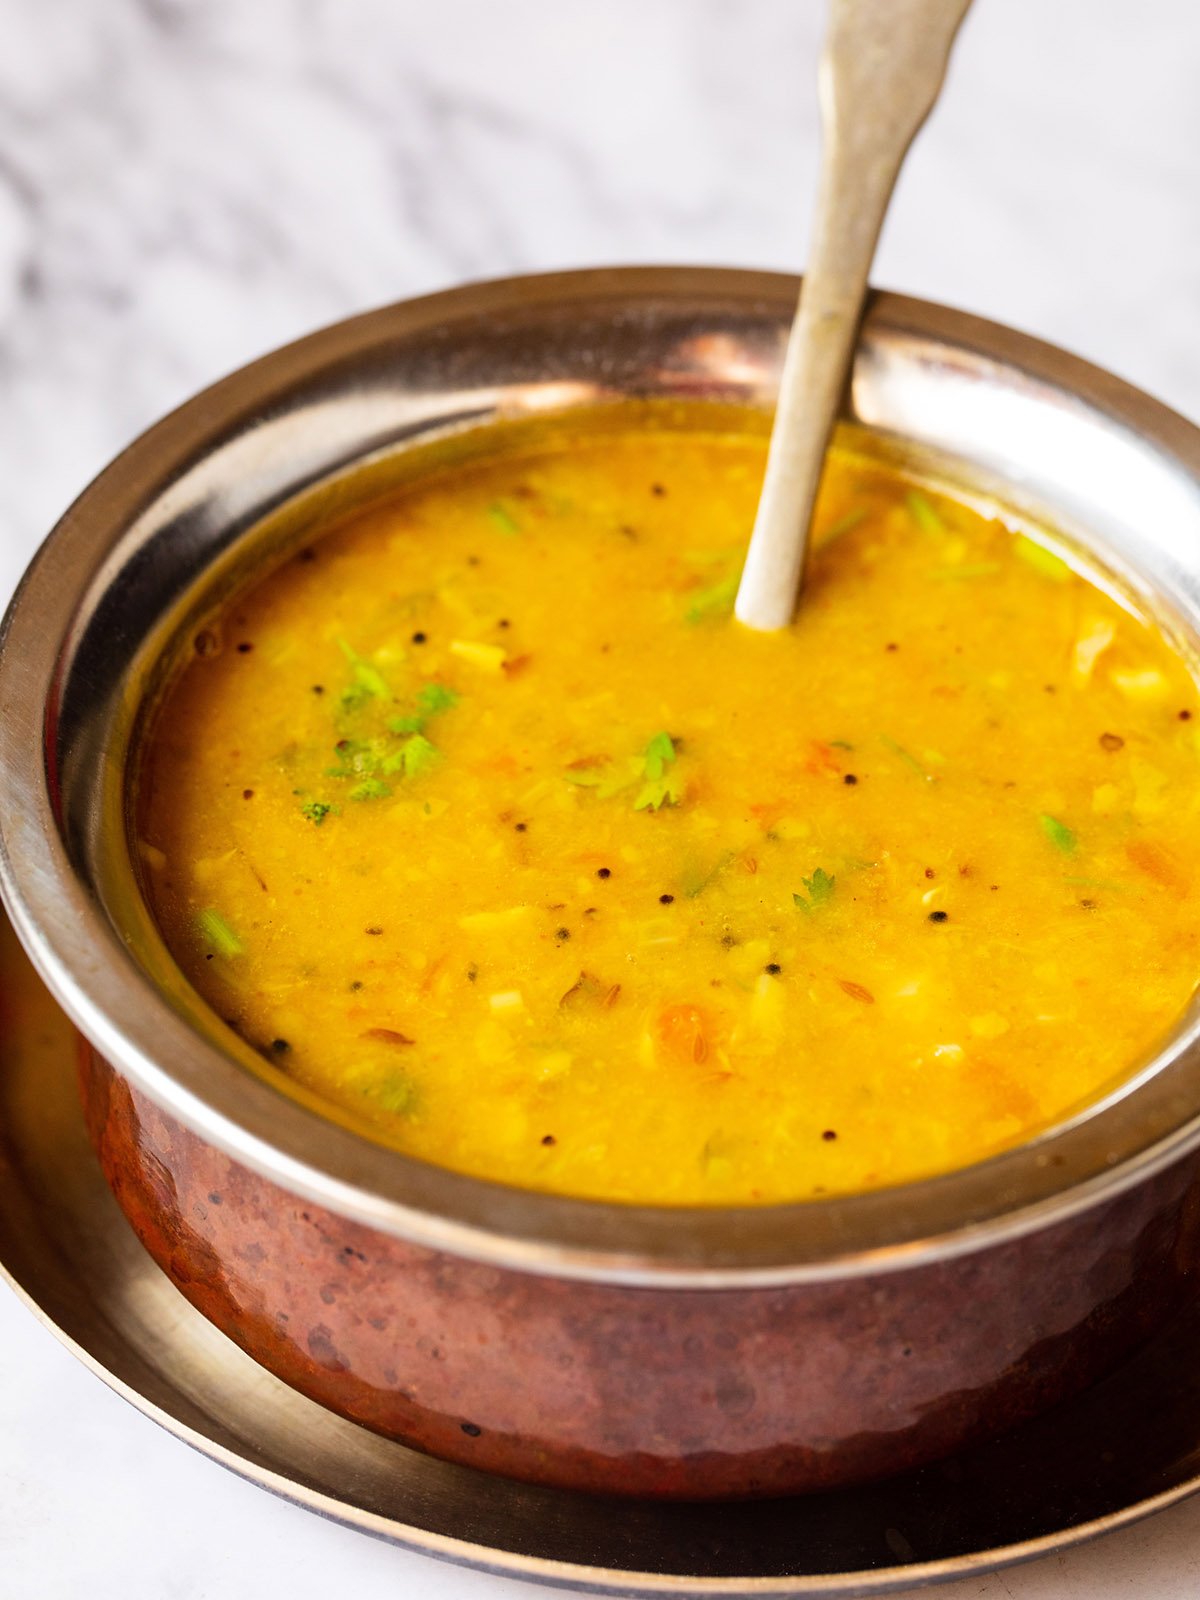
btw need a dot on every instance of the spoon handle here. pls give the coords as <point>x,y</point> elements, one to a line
<point>881,70</point>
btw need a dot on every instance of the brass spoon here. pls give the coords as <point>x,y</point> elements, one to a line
<point>881,71</point>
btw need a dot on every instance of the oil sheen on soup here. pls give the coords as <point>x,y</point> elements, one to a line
<point>481,820</point>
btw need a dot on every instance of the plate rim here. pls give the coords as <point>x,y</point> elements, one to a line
<point>625,1583</point>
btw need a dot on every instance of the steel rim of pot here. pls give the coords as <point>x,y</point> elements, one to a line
<point>944,374</point>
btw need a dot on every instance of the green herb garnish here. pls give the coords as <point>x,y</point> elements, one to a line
<point>660,752</point>
<point>316,811</point>
<point>843,525</point>
<point>417,755</point>
<point>358,758</point>
<point>372,761</point>
<point>659,789</point>
<point>412,758</point>
<point>396,1093</point>
<point>651,770</point>
<point>608,780</point>
<point>923,514</point>
<point>819,891</point>
<point>215,931</point>
<point>354,697</point>
<point>1040,559</point>
<point>434,697</point>
<point>695,879</point>
<point>371,789</point>
<point>906,756</point>
<point>713,602</point>
<point>657,793</point>
<point>366,677</point>
<point>502,518</point>
<point>431,698</point>
<point>1059,835</point>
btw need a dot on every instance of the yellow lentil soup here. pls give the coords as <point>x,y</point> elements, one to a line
<point>483,821</point>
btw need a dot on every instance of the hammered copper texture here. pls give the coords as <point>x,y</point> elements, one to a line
<point>681,1393</point>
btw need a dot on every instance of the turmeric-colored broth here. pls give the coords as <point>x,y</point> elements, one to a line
<point>484,822</point>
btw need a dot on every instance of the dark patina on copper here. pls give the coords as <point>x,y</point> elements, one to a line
<point>620,1390</point>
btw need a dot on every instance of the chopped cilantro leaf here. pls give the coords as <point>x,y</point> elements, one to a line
<point>649,770</point>
<point>417,755</point>
<point>923,513</point>
<point>695,878</point>
<point>359,758</point>
<point>316,811</point>
<point>819,890</point>
<point>620,776</point>
<point>658,792</point>
<point>660,752</point>
<point>713,602</point>
<point>844,524</point>
<point>366,676</point>
<point>435,697</point>
<point>354,697</point>
<point>1059,835</point>
<point>502,519</point>
<point>396,1093</point>
<point>215,931</point>
<point>1040,559</point>
<point>371,789</point>
<point>906,756</point>
<point>431,698</point>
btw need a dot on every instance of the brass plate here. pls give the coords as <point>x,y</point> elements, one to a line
<point>1128,1447</point>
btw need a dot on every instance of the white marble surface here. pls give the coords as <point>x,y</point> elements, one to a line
<point>185,183</point>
